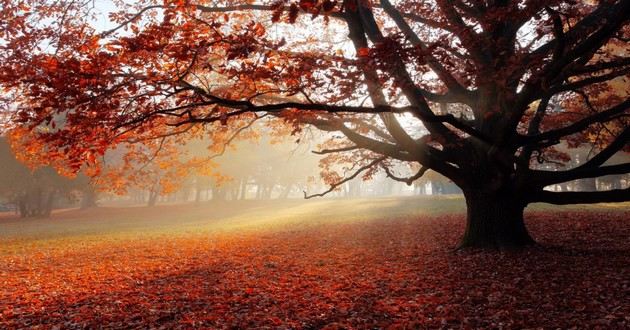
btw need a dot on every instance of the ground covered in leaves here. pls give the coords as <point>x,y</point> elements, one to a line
<point>366,271</point>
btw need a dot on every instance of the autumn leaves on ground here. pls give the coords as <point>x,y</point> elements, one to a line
<point>372,263</point>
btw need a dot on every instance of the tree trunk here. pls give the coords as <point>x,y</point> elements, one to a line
<point>235,189</point>
<point>218,194</point>
<point>243,189</point>
<point>197,195</point>
<point>153,196</point>
<point>436,188</point>
<point>22,206</point>
<point>267,192</point>
<point>88,198</point>
<point>494,221</point>
<point>198,188</point>
<point>46,209</point>
<point>285,192</point>
<point>616,182</point>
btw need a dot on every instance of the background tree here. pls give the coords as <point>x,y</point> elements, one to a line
<point>33,191</point>
<point>464,88</point>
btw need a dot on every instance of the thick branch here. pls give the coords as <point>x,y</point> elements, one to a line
<point>546,178</point>
<point>588,81</point>
<point>468,37</point>
<point>426,155</point>
<point>590,169</point>
<point>533,129</point>
<point>361,22</point>
<point>619,143</point>
<point>433,63</point>
<point>578,126</point>
<point>558,33</point>
<point>586,37</point>
<point>376,146</point>
<point>584,26</point>
<point>247,106</point>
<point>600,66</point>
<point>586,197</point>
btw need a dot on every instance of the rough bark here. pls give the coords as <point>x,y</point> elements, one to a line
<point>494,221</point>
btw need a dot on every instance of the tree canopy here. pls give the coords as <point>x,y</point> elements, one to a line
<point>478,91</point>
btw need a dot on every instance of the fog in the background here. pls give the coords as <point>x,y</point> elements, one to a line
<point>260,169</point>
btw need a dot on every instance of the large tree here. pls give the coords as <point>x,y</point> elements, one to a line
<point>479,91</point>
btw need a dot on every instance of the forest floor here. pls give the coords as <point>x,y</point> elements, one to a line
<point>369,263</point>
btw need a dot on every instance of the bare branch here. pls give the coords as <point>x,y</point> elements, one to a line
<point>155,154</point>
<point>330,151</point>
<point>234,136</point>
<point>409,180</point>
<point>354,175</point>
<point>130,20</point>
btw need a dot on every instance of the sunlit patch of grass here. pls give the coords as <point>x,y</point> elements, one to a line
<point>116,224</point>
<point>619,206</point>
<point>625,206</point>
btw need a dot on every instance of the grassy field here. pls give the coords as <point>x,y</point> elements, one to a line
<point>182,219</point>
<point>310,264</point>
